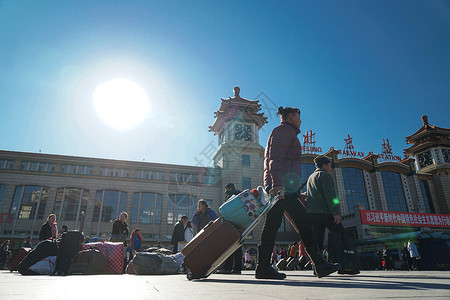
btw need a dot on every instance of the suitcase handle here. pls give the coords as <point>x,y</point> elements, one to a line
<point>280,195</point>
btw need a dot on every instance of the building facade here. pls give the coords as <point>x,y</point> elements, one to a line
<point>88,193</point>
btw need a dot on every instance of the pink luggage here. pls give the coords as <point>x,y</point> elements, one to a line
<point>113,253</point>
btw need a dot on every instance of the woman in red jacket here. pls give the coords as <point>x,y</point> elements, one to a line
<point>282,171</point>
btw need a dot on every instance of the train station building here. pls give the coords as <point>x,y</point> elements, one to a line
<point>380,194</point>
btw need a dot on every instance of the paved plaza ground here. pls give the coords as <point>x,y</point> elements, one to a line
<point>298,285</point>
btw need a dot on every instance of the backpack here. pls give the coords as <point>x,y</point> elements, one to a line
<point>88,262</point>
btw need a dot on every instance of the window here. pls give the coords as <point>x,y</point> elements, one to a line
<point>307,170</point>
<point>46,167</point>
<point>113,172</point>
<point>246,160</point>
<point>29,202</point>
<point>146,208</point>
<point>2,195</point>
<point>142,174</point>
<point>108,205</point>
<point>180,205</point>
<point>69,204</point>
<point>209,179</point>
<point>183,177</point>
<point>426,195</point>
<point>393,190</point>
<point>354,188</point>
<point>6,164</point>
<point>246,183</point>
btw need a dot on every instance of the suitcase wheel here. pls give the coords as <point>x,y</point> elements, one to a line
<point>189,276</point>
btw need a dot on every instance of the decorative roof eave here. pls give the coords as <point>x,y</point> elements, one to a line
<point>426,145</point>
<point>425,130</point>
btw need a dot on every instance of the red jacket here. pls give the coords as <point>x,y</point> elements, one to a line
<point>282,158</point>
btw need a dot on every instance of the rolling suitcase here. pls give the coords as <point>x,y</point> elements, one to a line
<point>43,249</point>
<point>17,258</point>
<point>342,250</point>
<point>215,243</point>
<point>281,265</point>
<point>69,246</point>
<point>113,253</point>
<point>292,263</point>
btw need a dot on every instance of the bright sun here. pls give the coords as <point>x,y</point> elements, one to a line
<point>121,103</point>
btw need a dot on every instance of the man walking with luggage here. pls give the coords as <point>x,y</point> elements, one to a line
<point>233,264</point>
<point>322,207</point>
<point>178,233</point>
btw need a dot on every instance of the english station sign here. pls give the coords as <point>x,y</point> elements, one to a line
<point>309,146</point>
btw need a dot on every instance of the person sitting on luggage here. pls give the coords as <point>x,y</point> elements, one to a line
<point>203,215</point>
<point>135,242</point>
<point>4,252</point>
<point>283,172</point>
<point>49,229</point>
<point>27,243</point>
<point>120,229</point>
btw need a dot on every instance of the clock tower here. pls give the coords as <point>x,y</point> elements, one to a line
<point>431,150</point>
<point>239,155</point>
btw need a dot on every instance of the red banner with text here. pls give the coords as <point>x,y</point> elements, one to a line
<point>394,218</point>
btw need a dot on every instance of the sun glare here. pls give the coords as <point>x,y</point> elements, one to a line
<point>121,103</point>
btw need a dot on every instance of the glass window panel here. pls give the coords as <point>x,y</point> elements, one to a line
<point>110,201</point>
<point>70,205</point>
<point>425,191</point>
<point>246,160</point>
<point>246,183</point>
<point>42,204</point>
<point>2,195</point>
<point>73,169</point>
<point>58,201</point>
<point>354,188</point>
<point>158,209</point>
<point>51,168</point>
<point>43,167</point>
<point>89,170</point>
<point>393,190</point>
<point>25,165</point>
<point>34,166</point>
<point>307,170</point>
<point>97,206</point>
<point>65,169</point>
<point>122,203</point>
<point>134,208</point>
<point>14,208</point>
<point>9,164</point>
<point>81,170</point>
<point>102,171</point>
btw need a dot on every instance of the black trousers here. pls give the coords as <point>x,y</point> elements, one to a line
<point>234,261</point>
<point>319,222</point>
<point>297,212</point>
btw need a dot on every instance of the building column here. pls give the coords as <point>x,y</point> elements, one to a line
<point>407,192</point>
<point>369,192</point>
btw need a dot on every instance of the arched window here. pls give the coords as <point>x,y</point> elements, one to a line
<point>393,190</point>
<point>354,188</point>
<point>180,205</point>
<point>69,204</point>
<point>108,205</point>
<point>146,208</point>
<point>29,202</point>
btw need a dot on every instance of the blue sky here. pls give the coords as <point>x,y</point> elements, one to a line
<point>365,68</point>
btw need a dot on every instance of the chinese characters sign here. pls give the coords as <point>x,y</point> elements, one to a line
<point>309,143</point>
<point>393,218</point>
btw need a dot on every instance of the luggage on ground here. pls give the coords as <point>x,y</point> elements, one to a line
<point>342,250</point>
<point>17,258</point>
<point>45,266</point>
<point>215,243</point>
<point>113,253</point>
<point>148,263</point>
<point>70,245</point>
<point>88,262</point>
<point>281,265</point>
<point>42,250</point>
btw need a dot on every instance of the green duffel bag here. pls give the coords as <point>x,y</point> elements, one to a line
<point>147,263</point>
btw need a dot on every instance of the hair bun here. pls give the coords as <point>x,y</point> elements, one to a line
<point>280,110</point>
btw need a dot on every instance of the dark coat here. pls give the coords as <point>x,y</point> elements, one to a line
<point>178,233</point>
<point>45,232</point>
<point>320,193</point>
<point>282,158</point>
<point>119,231</point>
<point>230,193</point>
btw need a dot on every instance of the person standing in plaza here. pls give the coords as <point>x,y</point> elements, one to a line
<point>233,264</point>
<point>414,255</point>
<point>188,232</point>
<point>203,215</point>
<point>49,229</point>
<point>27,243</point>
<point>282,172</point>
<point>135,242</point>
<point>178,233</point>
<point>406,256</point>
<point>4,253</point>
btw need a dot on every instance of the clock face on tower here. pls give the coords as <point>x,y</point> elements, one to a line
<point>242,132</point>
<point>446,154</point>
<point>425,159</point>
